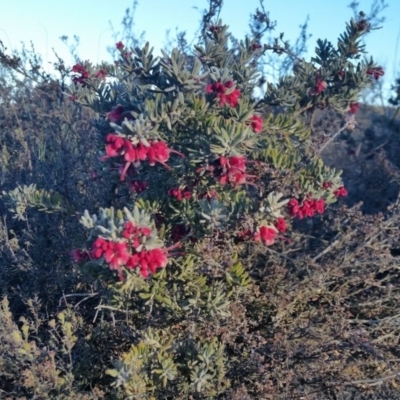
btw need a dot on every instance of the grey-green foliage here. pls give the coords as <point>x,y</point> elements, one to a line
<point>24,197</point>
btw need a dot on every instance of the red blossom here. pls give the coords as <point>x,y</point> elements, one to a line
<point>232,170</point>
<point>256,123</point>
<point>82,74</point>
<point>119,45</point>
<point>148,261</point>
<point>376,72</point>
<point>101,74</point>
<point>115,145</point>
<point>320,86</point>
<point>280,224</point>
<point>72,98</point>
<point>79,255</point>
<point>215,28</point>
<point>117,255</point>
<point>157,151</point>
<point>138,186</point>
<point>307,208</point>
<point>219,89</point>
<point>320,206</point>
<point>256,46</point>
<point>246,233</point>
<point>265,234</point>
<point>180,194</point>
<point>327,185</point>
<point>340,192</point>
<point>116,114</point>
<point>79,69</point>
<point>353,108</point>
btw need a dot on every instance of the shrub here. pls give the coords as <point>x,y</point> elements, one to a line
<point>195,279</point>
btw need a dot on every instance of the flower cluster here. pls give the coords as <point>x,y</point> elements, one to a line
<point>266,234</point>
<point>232,170</point>
<point>340,192</point>
<point>376,72</point>
<point>130,253</point>
<point>280,224</point>
<point>116,114</point>
<point>319,87</point>
<point>256,46</point>
<point>116,254</point>
<point>155,151</point>
<point>138,186</point>
<point>81,74</point>
<point>180,194</point>
<point>256,123</point>
<point>215,28</point>
<point>307,208</point>
<point>101,74</point>
<point>80,255</point>
<point>224,92</point>
<point>353,108</point>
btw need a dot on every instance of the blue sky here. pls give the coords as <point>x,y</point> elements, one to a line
<point>44,21</point>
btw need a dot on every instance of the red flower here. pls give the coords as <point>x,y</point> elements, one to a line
<point>117,255</point>
<point>119,45</point>
<point>79,68</point>
<point>376,72</point>
<point>233,98</point>
<point>101,74</point>
<point>83,74</point>
<point>115,145</point>
<point>256,46</point>
<point>327,185</point>
<point>308,208</point>
<point>215,28</point>
<point>116,114</point>
<point>320,86</point>
<point>233,170</point>
<point>160,152</point>
<point>353,108</point>
<point>293,203</point>
<point>180,194</point>
<point>138,186</point>
<point>280,224</point>
<point>219,89</point>
<point>319,206</point>
<point>256,123</point>
<point>340,192</point>
<point>148,261</point>
<point>72,98</point>
<point>79,255</point>
<point>237,162</point>
<point>266,234</point>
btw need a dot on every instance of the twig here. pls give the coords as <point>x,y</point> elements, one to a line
<point>88,295</point>
<point>376,381</point>
<point>326,250</point>
<point>334,136</point>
